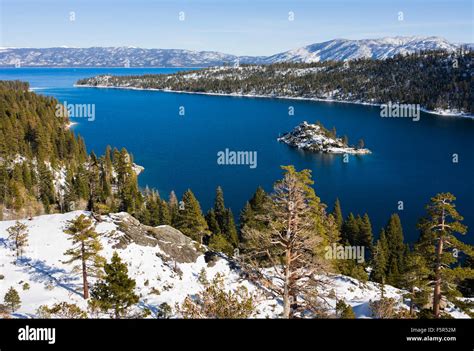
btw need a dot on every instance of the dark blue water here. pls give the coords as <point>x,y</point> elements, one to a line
<point>411,161</point>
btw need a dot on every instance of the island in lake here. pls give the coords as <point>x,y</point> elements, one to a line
<point>316,138</point>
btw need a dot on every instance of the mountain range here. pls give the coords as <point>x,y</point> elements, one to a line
<point>337,49</point>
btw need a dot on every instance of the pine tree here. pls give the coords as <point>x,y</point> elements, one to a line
<point>219,207</point>
<point>94,182</point>
<point>46,187</point>
<point>218,242</point>
<point>365,233</point>
<point>396,250</point>
<point>415,279</point>
<point>380,259</point>
<point>116,292</point>
<point>4,178</point>
<point>344,311</point>
<point>225,219</point>
<point>173,208</point>
<point>19,235</point>
<point>337,213</point>
<point>251,216</point>
<point>246,216</point>
<point>350,230</point>
<point>190,220</point>
<point>165,215</point>
<point>12,299</point>
<point>230,230</point>
<point>440,247</point>
<point>86,248</point>
<point>212,222</point>
<point>290,241</point>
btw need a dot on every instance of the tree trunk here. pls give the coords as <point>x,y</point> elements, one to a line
<point>84,273</point>
<point>411,300</point>
<point>437,288</point>
<point>286,292</point>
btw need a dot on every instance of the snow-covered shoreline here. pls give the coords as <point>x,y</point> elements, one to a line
<point>312,137</point>
<point>327,100</point>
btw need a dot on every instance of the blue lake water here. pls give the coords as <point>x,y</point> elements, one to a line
<point>411,161</point>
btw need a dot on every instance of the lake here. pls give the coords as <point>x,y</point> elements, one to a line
<point>411,161</point>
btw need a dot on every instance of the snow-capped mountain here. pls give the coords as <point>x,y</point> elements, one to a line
<point>338,49</point>
<point>167,267</point>
<point>116,57</point>
<point>343,49</point>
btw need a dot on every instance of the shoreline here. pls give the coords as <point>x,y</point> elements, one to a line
<point>437,113</point>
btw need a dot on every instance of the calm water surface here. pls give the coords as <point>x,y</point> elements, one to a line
<point>411,161</point>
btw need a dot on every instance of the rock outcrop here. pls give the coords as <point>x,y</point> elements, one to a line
<point>315,138</point>
<point>175,246</point>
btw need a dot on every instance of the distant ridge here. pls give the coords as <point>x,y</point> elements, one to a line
<point>337,49</point>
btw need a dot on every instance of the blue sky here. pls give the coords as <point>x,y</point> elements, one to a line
<point>244,27</point>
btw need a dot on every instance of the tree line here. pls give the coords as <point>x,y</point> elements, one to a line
<point>432,79</point>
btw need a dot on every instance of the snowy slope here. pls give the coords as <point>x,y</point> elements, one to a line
<point>159,279</point>
<point>115,57</point>
<point>343,49</point>
<point>337,49</point>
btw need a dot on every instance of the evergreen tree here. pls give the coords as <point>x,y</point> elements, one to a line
<point>380,259</point>
<point>337,213</point>
<point>12,300</point>
<point>415,279</point>
<point>165,215</point>
<point>86,248</point>
<point>116,292</point>
<point>365,233</point>
<point>344,311</point>
<point>218,242</point>
<point>230,229</point>
<point>396,250</point>
<point>252,215</point>
<point>19,235</point>
<point>46,187</point>
<point>350,230</point>
<point>94,182</point>
<point>190,220</point>
<point>173,208</point>
<point>219,208</point>
<point>293,236</point>
<point>212,222</point>
<point>246,216</point>
<point>439,246</point>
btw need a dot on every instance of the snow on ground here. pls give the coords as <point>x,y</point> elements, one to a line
<point>52,281</point>
<point>158,280</point>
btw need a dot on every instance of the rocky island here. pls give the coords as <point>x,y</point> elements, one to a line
<point>316,138</point>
